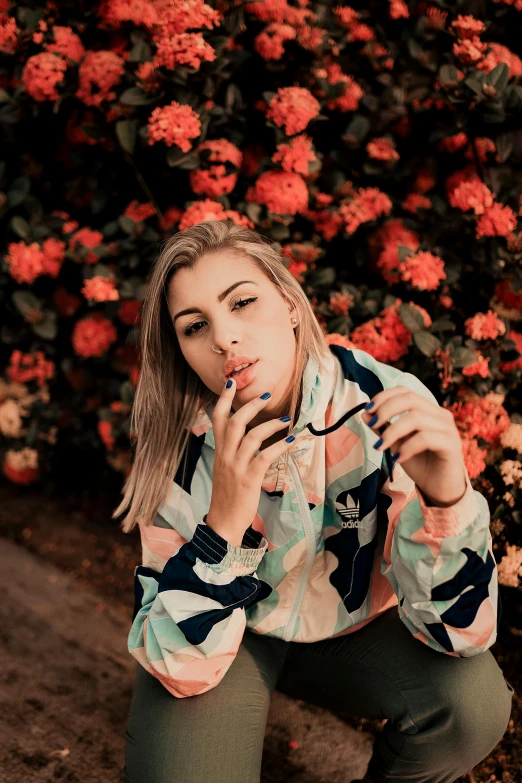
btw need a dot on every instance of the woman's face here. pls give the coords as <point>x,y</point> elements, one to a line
<point>260,328</point>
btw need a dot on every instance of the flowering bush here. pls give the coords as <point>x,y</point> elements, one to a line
<point>378,146</point>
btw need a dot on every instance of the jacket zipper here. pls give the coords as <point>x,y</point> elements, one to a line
<point>310,538</point>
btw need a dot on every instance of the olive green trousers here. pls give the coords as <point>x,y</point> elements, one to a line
<point>444,714</point>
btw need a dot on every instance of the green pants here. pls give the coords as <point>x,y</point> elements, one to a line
<point>445,714</point>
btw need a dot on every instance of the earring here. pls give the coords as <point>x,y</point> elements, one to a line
<point>294,320</point>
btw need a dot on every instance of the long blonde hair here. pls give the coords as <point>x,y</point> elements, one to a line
<point>170,395</point>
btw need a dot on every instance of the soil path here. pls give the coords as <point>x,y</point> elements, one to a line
<point>66,683</point>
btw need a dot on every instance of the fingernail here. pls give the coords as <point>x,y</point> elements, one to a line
<point>372,421</point>
<point>229,384</point>
<point>379,443</point>
<point>290,438</point>
<point>395,456</point>
<point>370,405</point>
<point>265,396</point>
<point>284,418</point>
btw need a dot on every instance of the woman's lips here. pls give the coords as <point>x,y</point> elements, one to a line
<point>245,376</point>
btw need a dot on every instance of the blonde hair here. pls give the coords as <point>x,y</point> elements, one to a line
<point>170,395</point>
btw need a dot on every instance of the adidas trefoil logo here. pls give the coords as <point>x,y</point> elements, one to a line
<point>349,511</point>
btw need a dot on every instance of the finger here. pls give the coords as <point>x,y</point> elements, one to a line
<point>414,421</point>
<point>420,442</point>
<point>400,403</point>
<point>255,437</point>
<point>270,454</point>
<point>221,413</point>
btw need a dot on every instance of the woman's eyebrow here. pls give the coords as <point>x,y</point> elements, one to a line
<point>220,298</point>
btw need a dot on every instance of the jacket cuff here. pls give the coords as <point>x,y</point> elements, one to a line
<point>222,556</point>
<point>451,520</point>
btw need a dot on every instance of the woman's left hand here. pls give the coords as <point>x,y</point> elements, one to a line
<point>428,442</point>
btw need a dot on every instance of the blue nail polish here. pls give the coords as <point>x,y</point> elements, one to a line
<point>372,421</point>
<point>370,405</point>
<point>290,438</point>
<point>265,396</point>
<point>229,384</point>
<point>379,443</point>
<point>395,456</point>
<point>284,418</point>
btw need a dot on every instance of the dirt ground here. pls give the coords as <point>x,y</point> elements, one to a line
<point>66,676</point>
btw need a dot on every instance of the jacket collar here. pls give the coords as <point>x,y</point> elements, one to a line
<point>318,391</point>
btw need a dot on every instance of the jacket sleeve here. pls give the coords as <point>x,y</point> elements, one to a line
<point>440,562</point>
<point>190,596</point>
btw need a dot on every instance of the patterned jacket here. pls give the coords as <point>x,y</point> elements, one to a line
<point>335,542</point>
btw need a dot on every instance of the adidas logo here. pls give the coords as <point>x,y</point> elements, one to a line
<point>349,511</point>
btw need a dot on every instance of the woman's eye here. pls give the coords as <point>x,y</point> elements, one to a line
<point>190,330</point>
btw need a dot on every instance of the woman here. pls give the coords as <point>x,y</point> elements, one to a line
<point>302,564</point>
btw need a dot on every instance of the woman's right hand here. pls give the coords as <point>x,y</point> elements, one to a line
<point>237,475</point>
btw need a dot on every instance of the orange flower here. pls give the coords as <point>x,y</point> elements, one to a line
<point>366,205</point>
<point>21,467</point>
<point>100,289</point>
<point>97,75</point>
<point>473,195</point>
<point>269,43</point>
<point>42,73</point>
<point>183,49</point>
<point>484,326</point>
<point>415,201</point>
<point>29,367</point>
<point>382,149</point>
<point>470,50</point>
<point>352,93</point>
<point>139,212</point>
<point>398,9</point>
<point>93,335</point>
<point>87,238</point>
<point>497,221</point>
<point>147,77</point>
<point>8,34</point>
<point>296,155</point>
<point>211,210</point>
<point>480,367</point>
<point>467,26</point>
<point>283,192</point>
<point>174,124</point>
<point>105,433</point>
<point>423,270</point>
<point>66,43</point>
<point>292,108</point>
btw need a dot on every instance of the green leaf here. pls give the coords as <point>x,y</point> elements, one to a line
<point>46,328</point>
<point>504,143</point>
<point>427,343</point>
<point>404,252</point>
<point>448,73</point>
<point>126,131</point>
<point>140,52</point>
<point>464,357</point>
<point>127,224</point>
<point>20,226</point>
<point>442,325</point>
<point>411,318</point>
<point>498,77</point>
<point>474,85</point>
<point>182,160</point>
<point>4,96</point>
<point>358,127</point>
<point>135,96</point>
<point>25,301</point>
<point>127,392</point>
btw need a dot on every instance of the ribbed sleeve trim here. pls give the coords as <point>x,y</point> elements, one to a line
<point>221,555</point>
<point>452,520</point>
